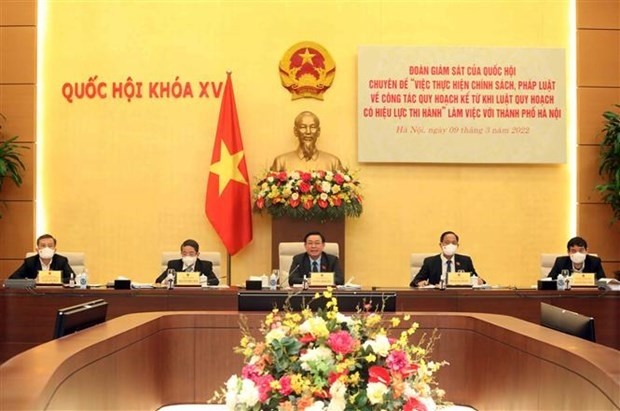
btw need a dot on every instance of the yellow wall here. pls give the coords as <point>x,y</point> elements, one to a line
<point>125,181</point>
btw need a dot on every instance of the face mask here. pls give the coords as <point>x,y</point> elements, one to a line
<point>46,253</point>
<point>189,260</point>
<point>578,258</point>
<point>449,249</point>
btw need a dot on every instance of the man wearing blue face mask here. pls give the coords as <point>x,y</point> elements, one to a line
<point>578,260</point>
<point>438,266</point>
<point>189,261</point>
<point>45,260</point>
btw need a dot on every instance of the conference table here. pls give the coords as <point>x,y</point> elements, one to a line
<point>28,315</point>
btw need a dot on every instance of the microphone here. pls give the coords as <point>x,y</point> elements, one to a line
<point>291,272</point>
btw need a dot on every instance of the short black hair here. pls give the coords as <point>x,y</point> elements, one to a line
<point>314,233</point>
<point>577,241</point>
<point>44,236</point>
<point>445,233</point>
<point>191,243</point>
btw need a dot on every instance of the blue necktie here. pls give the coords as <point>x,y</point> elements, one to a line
<point>449,264</point>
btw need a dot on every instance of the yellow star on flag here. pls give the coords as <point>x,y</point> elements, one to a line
<point>228,167</point>
<point>307,57</point>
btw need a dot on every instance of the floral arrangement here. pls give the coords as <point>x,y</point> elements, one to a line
<point>326,360</point>
<point>321,195</point>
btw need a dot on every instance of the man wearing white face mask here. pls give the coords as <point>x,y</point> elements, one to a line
<point>578,260</point>
<point>436,267</point>
<point>189,261</point>
<point>45,260</point>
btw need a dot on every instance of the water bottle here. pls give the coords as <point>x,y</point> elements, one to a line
<point>273,280</point>
<point>442,282</point>
<point>561,281</point>
<point>203,281</point>
<point>84,279</point>
<point>305,283</point>
<point>72,280</point>
<point>474,280</point>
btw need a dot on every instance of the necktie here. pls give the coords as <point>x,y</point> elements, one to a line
<point>315,267</point>
<point>189,269</point>
<point>449,264</point>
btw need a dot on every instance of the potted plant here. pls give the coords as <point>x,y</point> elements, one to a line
<point>609,167</point>
<point>11,165</point>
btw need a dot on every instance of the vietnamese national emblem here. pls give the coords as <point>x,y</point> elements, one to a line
<point>307,70</point>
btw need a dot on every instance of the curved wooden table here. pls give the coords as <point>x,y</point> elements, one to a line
<point>146,360</point>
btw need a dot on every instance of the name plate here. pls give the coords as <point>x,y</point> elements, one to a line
<point>322,279</point>
<point>582,280</point>
<point>459,279</point>
<point>49,277</point>
<point>189,278</point>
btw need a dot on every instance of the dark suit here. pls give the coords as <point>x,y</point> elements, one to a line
<point>592,264</point>
<point>432,268</point>
<point>32,265</point>
<point>300,267</point>
<point>202,266</point>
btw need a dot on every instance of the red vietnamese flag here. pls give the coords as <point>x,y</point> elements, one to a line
<point>228,202</point>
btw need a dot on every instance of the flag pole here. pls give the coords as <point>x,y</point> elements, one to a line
<point>228,260</point>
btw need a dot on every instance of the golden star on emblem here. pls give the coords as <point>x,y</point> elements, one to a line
<point>307,57</point>
<point>228,167</point>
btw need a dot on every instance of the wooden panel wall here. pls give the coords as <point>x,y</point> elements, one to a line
<point>598,89</point>
<point>18,76</point>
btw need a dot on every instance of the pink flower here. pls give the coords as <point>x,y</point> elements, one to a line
<point>341,342</point>
<point>264,387</point>
<point>322,203</point>
<point>397,361</point>
<point>306,177</point>
<point>250,372</point>
<point>260,203</point>
<point>338,178</point>
<point>285,385</point>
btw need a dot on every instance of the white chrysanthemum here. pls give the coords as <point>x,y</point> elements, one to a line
<point>375,392</point>
<point>380,345</point>
<point>314,355</point>
<point>249,393</point>
<point>231,392</point>
<point>275,334</point>
<point>326,186</point>
<point>315,326</point>
<point>329,176</point>
<point>347,178</point>
<point>270,179</point>
<point>316,406</point>
<point>295,175</point>
<point>337,392</point>
<point>341,318</point>
<point>295,196</point>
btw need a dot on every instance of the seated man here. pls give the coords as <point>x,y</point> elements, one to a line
<point>436,267</point>
<point>189,261</point>
<point>45,260</point>
<point>314,260</point>
<point>578,260</point>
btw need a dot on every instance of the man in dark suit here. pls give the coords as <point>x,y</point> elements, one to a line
<point>189,261</point>
<point>45,260</point>
<point>314,260</point>
<point>578,260</point>
<point>436,267</point>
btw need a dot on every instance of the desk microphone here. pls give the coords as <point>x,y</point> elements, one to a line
<point>290,273</point>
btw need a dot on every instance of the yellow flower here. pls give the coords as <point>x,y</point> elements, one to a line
<point>395,321</point>
<point>371,357</point>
